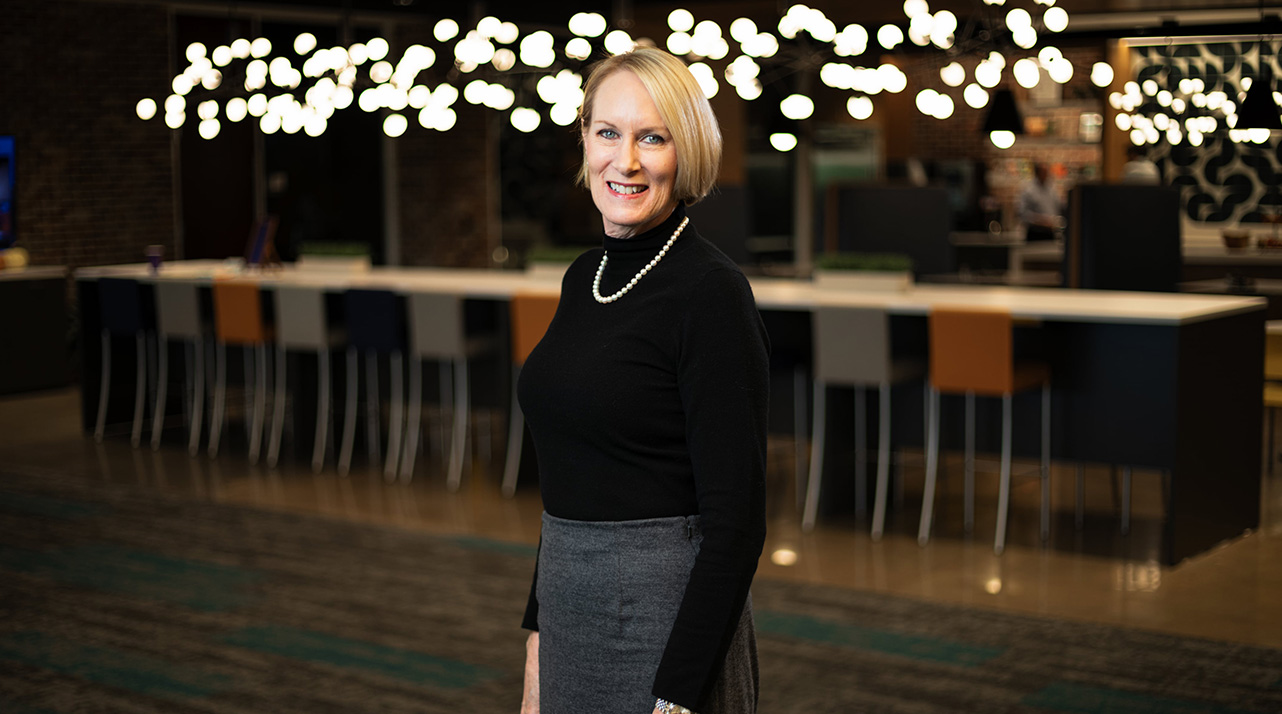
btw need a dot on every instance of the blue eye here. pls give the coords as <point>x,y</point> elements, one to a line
<point>653,139</point>
<point>607,134</point>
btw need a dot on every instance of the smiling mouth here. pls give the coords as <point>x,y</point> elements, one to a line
<point>626,189</point>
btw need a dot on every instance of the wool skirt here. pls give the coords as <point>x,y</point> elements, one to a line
<point>608,595</point>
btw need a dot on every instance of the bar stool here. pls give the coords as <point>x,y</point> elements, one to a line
<point>301,326</point>
<point>852,347</point>
<point>376,326</point>
<point>971,353</point>
<point>437,331</point>
<point>238,320</point>
<point>178,317</point>
<point>123,314</point>
<point>531,314</point>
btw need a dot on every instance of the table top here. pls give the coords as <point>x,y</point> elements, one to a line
<point>1053,304</point>
<point>37,272</point>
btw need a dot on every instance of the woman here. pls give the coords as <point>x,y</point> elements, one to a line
<point>647,402</point>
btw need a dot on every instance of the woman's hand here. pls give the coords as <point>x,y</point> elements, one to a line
<point>530,692</point>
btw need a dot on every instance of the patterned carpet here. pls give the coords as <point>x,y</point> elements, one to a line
<point>116,599</point>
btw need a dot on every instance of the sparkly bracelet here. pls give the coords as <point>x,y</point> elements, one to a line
<point>666,707</point>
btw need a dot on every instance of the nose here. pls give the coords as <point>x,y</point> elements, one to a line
<point>626,159</point>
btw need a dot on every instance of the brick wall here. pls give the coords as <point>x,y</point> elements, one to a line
<point>94,184</point>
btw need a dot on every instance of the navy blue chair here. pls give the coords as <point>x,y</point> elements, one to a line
<point>123,313</point>
<point>375,326</point>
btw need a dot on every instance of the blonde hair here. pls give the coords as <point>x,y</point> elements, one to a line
<point>683,108</point>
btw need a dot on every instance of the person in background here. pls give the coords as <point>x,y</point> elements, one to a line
<point>1139,169</point>
<point>647,401</point>
<point>1040,209</point>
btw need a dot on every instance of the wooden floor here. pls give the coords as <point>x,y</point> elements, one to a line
<point>1092,574</point>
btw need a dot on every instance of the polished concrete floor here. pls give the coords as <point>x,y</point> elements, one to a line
<point>1091,574</point>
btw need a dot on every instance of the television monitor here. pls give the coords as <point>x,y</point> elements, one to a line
<point>8,179</point>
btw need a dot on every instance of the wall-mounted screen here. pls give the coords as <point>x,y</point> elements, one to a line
<point>8,176</point>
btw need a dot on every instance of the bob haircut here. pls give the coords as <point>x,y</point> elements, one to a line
<point>683,108</point>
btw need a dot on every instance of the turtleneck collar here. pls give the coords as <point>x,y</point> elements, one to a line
<point>652,239</point>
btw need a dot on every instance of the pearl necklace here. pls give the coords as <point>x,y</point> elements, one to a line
<point>605,258</point>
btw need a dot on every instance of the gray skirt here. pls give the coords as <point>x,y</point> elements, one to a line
<point>608,596</point>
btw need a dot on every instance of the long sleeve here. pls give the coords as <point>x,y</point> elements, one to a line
<point>723,377</point>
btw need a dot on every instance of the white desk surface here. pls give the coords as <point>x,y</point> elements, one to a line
<point>1053,304</point>
<point>34,272</point>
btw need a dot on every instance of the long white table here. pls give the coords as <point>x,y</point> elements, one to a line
<point>1162,381</point>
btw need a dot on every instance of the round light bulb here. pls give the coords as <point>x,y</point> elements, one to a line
<point>395,125</point>
<point>782,141</point>
<point>889,36</point>
<point>208,128</point>
<point>146,108</point>
<point>304,43</point>
<point>797,107</point>
<point>445,30</point>
<point>953,74</point>
<point>1002,139</point>
<point>680,20</point>
<point>976,97</point>
<point>1101,74</point>
<point>1055,19</point>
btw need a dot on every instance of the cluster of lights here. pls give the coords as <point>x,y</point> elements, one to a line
<point>335,74</point>
<point>1185,112</point>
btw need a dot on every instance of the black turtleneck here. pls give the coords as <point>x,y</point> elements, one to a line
<point>653,406</point>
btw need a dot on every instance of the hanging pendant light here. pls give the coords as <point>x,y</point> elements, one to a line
<point>1258,110</point>
<point>1003,121</point>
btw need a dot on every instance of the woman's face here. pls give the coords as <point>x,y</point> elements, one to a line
<point>630,156</point>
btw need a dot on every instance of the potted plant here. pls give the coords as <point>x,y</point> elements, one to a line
<point>551,261</point>
<point>864,271</point>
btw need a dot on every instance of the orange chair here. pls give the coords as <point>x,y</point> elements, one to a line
<point>531,314</point>
<point>971,353</point>
<point>238,320</point>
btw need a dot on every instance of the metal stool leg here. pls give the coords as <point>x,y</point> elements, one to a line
<point>968,478</point>
<point>446,370</point>
<point>104,389</point>
<point>515,440</point>
<point>349,416</point>
<point>140,393</point>
<point>1003,497</point>
<point>932,468</point>
<point>198,395</point>
<point>372,406</point>
<point>1079,516</point>
<point>278,409</point>
<point>322,409</point>
<point>394,418</point>
<point>459,447</point>
<point>162,391</point>
<point>816,458</point>
<point>412,428</point>
<point>883,461</point>
<point>799,430</point>
<point>260,403</point>
<point>861,451</point>
<point>220,399</point>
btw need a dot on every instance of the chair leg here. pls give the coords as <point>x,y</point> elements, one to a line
<point>372,407</point>
<point>883,461</point>
<point>104,390</point>
<point>799,430</point>
<point>515,440</point>
<point>968,495</point>
<point>1003,496</point>
<point>1046,462</point>
<point>932,467</point>
<point>220,399</point>
<point>861,451</point>
<point>446,370</point>
<point>459,437</point>
<point>278,409</point>
<point>1126,500</point>
<point>322,409</point>
<point>260,403</point>
<point>412,428</point>
<point>162,389</point>
<point>140,393</point>
<point>197,396</point>
<point>349,415</point>
<point>815,482</point>
<point>394,418</point>
<point>248,359</point>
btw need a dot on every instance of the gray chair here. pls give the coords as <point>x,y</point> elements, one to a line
<point>178,317</point>
<point>123,313</point>
<point>852,347</point>
<point>437,333</point>
<point>301,326</point>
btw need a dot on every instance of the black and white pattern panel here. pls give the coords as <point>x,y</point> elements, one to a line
<point>1222,180</point>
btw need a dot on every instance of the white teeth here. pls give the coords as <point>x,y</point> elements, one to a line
<point>626,190</point>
